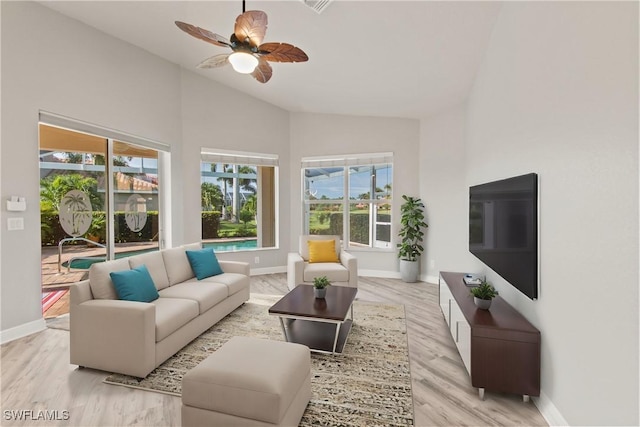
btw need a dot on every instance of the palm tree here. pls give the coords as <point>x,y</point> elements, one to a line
<point>211,196</point>
<point>54,188</point>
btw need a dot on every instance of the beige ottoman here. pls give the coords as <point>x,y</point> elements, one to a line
<point>248,382</point>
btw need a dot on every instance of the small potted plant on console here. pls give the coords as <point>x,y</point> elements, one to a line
<point>320,286</point>
<point>483,294</point>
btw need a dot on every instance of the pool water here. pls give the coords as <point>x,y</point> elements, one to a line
<point>239,245</point>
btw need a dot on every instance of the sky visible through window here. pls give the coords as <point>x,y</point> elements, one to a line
<point>333,187</point>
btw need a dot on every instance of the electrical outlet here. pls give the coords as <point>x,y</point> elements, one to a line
<point>256,260</point>
<point>432,263</point>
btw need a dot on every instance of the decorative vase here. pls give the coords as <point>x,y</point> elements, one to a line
<point>319,293</point>
<point>409,270</point>
<point>482,303</point>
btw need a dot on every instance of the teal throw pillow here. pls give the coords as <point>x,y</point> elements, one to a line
<point>204,263</point>
<point>135,284</point>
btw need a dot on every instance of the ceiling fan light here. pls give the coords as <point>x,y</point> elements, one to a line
<point>243,62</point>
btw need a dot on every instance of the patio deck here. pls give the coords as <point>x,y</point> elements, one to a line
<point>52,279</point>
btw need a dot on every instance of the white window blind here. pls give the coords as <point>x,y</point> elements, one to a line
<point>91,129</point>
<point>238,157</point>
<point>347,160</point>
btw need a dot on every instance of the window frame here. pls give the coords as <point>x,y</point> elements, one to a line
<point>257,160</point>
<point>347,163</point>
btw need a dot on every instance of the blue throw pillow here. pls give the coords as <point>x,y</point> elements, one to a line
<point>135,284</point>
<point>204,263</point>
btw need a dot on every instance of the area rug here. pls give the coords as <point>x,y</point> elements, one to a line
<point>50,298</point>
<point>369,384</point>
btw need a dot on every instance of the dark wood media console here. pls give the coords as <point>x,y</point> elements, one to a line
<point>499,347</point>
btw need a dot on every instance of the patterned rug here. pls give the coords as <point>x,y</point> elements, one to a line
<point>369,384</point>
<point>50,298</point>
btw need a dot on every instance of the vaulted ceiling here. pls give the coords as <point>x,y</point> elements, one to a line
<point>376,58</point>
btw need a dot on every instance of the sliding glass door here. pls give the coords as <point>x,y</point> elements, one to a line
<point>99,199</point>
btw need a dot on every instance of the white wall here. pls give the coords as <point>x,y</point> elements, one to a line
<point>444,190</point>
<point>557,94</point>
<point>56,64</point>
<point>53,63</point>
<point>321,134</point>
<point>215,116</point>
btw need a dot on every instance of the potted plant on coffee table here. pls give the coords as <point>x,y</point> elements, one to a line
<point>483,294</point>
<point>411,236</point>
<point>320,286</point>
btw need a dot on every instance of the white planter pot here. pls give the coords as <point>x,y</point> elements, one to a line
<point>409,270</point>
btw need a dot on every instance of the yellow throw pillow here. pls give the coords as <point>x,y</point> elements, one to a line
<point>322,251</point>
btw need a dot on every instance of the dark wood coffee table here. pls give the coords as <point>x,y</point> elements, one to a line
<point>320,324</point>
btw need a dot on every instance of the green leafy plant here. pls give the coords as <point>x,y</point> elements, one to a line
<point>485,291</point>
<point>321,282</point>
<point>412,223</point>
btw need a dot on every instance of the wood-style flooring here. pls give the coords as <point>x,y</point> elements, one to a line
<point>36,374</point>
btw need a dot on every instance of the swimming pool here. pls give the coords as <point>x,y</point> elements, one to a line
<point>237,245</point>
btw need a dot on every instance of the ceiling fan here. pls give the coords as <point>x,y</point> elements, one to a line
<point>249,54</point>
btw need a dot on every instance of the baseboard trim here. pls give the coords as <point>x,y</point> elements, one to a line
<point>22,330</point>
<point>380,273</point>
<point>368,273</point>
<point>268,270</point>
<point>430,279</point>
<point>549,411</point>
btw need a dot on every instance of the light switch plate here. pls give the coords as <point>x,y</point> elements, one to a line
<point>15,224</point>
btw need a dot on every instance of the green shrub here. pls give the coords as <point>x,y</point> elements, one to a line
<point>210,224</point>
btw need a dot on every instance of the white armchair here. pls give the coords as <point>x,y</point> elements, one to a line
<point>301,271</point>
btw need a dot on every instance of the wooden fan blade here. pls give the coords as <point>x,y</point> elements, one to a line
<point>202,34</point>
<point>282,52</point>
<point>251,26</point>
<point>215,61</point>
<point>263,71</point>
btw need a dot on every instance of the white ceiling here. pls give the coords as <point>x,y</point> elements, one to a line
<point>374,58</point>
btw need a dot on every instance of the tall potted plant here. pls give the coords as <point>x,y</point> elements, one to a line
<point>411,236</point>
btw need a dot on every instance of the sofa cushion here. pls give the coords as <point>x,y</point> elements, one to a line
<point>205,294</point>
<point>155,265</point>
<point>322,251</point>
<point>134,285</point>
<point>172,314</point>
<point>100,281</point>
<point>235,282</point>
<point>335,272</point>
<point>204,263</point>
<point>177,265</point>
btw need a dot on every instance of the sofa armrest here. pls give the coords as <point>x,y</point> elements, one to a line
<point>114,336</point>
<point>351,263</point>
<point>235,267</point>
<point>80,292</point>
<point>295,270</point>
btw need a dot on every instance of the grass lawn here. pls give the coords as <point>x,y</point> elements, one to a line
<point>232,229</point>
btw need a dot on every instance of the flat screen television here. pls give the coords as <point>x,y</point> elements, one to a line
<point>503,229</point>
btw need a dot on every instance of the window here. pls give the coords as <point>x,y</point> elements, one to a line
<point>238,200</point>
<point>100,197</point>
<point>355,190</point>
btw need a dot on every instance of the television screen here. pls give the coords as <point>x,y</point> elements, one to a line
<point>503,229</point>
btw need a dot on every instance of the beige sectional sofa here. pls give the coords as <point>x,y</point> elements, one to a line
<point>134,338</point>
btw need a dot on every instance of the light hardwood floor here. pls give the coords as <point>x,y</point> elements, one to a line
<point>36,374</point>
